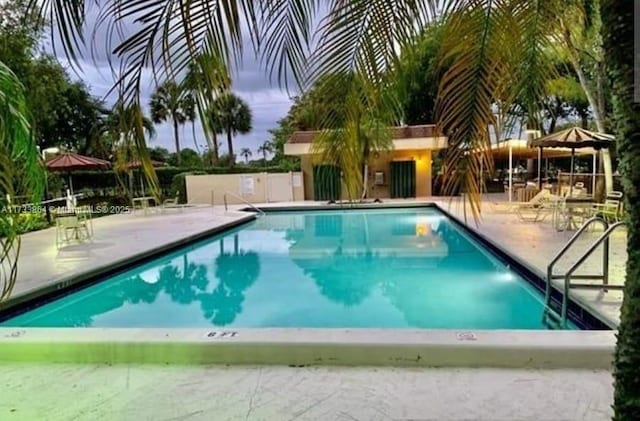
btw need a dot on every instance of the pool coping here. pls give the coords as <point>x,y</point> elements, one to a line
<point>298,346</point>
<point>305,346</point>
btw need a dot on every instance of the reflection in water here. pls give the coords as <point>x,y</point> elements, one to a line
<point>337,269</point>
<point>183,286</point>
<point>236,272</point>
<point>350,258</point>
<point>336,281</point>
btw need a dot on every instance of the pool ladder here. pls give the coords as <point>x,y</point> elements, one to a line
<point>555,313</point>
<point>226,207</point>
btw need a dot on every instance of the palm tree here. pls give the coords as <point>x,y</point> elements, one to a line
<point>207,78</point>
<point>20,173</point>
<point>618,34</point>
<point>245,153</point>
<point>171,101</point>
<point>231,115</point>
<point>116,137</point>
<point>264,149</point>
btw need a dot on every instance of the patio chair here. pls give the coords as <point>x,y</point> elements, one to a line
<point>173,203</point>
<point>611,209</point>
<point>70,227</point>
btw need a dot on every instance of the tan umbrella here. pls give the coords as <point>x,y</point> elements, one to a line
<point>573,138</point>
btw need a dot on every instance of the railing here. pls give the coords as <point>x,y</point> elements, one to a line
<point>567,276</point>
<point>242,199</point>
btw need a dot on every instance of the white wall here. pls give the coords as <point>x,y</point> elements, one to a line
<point>254,187</point>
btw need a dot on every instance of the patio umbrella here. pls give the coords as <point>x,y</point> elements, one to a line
<point>136,164</point>
<point>573,138</point>
<point>69,162</point>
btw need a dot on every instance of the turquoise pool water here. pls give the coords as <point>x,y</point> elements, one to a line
<point>388,268</point>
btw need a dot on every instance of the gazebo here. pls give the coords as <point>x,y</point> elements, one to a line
<point>507,149</point>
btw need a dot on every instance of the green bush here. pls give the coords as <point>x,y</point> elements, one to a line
<point>28,222</point>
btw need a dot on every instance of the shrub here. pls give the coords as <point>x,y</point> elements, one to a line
<point>28,222</point>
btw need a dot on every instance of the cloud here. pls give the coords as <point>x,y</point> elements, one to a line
<point>250,81</point>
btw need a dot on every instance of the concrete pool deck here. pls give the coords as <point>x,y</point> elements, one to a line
<point>129,392</point>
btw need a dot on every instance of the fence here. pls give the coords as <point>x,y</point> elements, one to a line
<point>251,187</point>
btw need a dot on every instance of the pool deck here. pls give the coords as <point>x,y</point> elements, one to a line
<point>97,391</point>
<point>143,392</point>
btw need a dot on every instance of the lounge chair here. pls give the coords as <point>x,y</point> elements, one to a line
<point>173,203</point>
<point>537,208</point>
<point>536,200</point>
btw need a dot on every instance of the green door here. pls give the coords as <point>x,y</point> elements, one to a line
<point>326,182</point>
<point>403,179</point>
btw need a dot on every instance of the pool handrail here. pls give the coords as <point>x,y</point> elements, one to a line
<point>562,252</point>
<point>260,211</point>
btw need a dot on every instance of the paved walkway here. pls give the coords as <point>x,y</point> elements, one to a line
<point>95,392</point>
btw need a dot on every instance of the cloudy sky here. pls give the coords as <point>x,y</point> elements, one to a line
<point>268,102</point>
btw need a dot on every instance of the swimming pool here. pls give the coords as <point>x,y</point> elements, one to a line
<point>383,268</point>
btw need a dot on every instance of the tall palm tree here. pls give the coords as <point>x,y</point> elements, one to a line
<point>245,153</point>
<point>20,173</point>
<point>264,149</point>
<point>207,78</point>
<point>231,115</point>
<point>172,101</point>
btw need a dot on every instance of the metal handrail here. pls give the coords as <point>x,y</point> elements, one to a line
<point>566,247</point>
<point>604,238</point>
<point>243,200</point>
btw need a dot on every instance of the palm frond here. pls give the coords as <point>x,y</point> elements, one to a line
<point>20,173</point>
<point>365,36</point>
<point>285,37</point>
<point>478,65</point>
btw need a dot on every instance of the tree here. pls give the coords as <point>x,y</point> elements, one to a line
<point>581,29</point>
<point>66,110</point>
<point>618,37</point>
<point>418,77</point>
<point>264,149</point>
<point>171,101</point>
<point>359,129</point>
<point>245,153</point>
<point>231,115</point>
<point>159,153</point>
<point>207,79</point>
